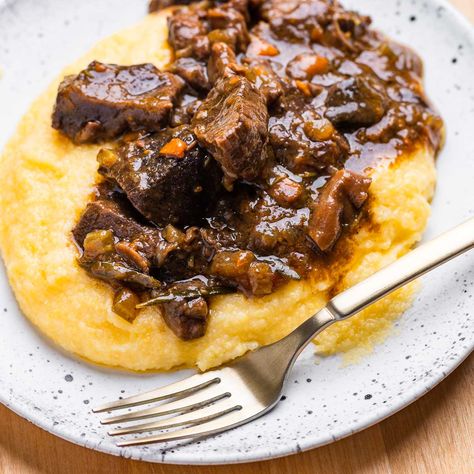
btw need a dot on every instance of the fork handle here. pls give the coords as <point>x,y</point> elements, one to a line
<point>424,258</point>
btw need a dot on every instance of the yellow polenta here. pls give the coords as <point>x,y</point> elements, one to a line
<point>47,181</point>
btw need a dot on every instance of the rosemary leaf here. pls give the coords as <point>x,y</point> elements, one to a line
<point>185,294</point>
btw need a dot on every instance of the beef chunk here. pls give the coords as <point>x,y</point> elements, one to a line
<point>302,140</point>
<point>194,72</point>
<point>228,24</point>
<point>252,220</point>
<point>341,196</point>
<point>116,248</point>
<point>241,268</point>
<point>232,124</point>
<point>348,31</point>
<point>107,214</point>
<point>178,255</point>
<point>106,100</point>
<point>185,110</point>
<point>355,102</point>
<point>222,62</point>
<point>261,74</point>
<point>193,29</point>
<point>186,318</point>
<point>166,176</point>
<point>296,19</point>
<point>269,228</point>
<point>187,33</point>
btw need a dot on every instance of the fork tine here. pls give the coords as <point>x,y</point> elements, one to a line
<point>223,423</point>
<point>201,398</point>
<point>199,416</point>
<point>181,387</point>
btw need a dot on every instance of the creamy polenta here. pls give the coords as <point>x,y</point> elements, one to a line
<point>47,181</point>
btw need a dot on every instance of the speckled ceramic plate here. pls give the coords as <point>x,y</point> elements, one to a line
<point>324,400</point>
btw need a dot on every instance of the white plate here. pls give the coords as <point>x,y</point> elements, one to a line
<point>324,401</point>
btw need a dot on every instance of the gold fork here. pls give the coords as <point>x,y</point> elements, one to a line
<point>249,387</point>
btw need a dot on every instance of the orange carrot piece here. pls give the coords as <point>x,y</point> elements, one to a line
<point>175,147</point>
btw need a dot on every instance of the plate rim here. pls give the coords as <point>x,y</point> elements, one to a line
<point>255,456</point>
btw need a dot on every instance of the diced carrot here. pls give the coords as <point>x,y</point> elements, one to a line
<point>304,87</point>
<point>316,33</point>
<point>99,67</point>
<point>175,147</point>
<point>318,66</point>
<point>234,80</point>
<point>268,49</point>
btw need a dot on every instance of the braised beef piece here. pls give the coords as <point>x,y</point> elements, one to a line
<point>116,248</point>
<point>193,29</point>
<point>318,21</point>
<point>186,318</point>
<point>303,140</point>
<point>252,219</point>
<point>356,102</point>
<point>171,252</point>
<point>343,194</point>
<point>297,20</point>
<point>155,5</point>
<point>180,254</point>
<point>167,176</point>
<point>349,31</point>
<point>272,228</point>
<point>228,24</point>
<point>194,72</point>
<point>241,268</point>
<point>240,5</point>
<point>108,214</point>
<point>106,100</point>
<point>265,79</point>
<point>185,110</point>
<point>232,125</point>
<point>187,32</point>
<point>222,62</point>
